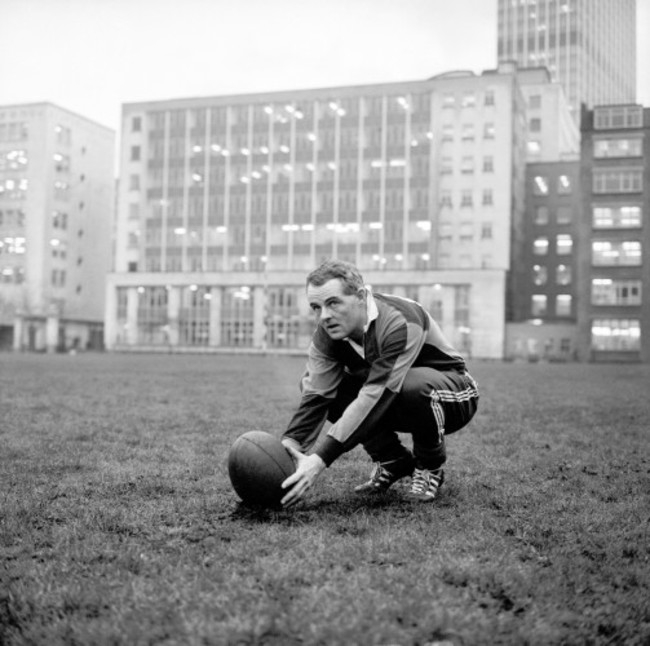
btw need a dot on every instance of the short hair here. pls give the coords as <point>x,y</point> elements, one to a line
<point>346,272</point>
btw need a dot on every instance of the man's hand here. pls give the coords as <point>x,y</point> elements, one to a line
<point>308,468</point>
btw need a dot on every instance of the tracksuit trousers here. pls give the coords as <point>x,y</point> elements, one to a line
<point>430,405</point>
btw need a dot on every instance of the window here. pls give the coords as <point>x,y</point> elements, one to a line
<point>563,305</point>
<point>488,164</point>
<point>134,182</point>
<point>616,217</point>
<point>136,124</point>
<point>488,199</point>
<point>445,198</point>
<point>608,291</point>
<point>564,215</point>
<point>540,185</point>
<point>535,101</point>
<point>564,185</point>
<point>626,116</point>
<point>615,334</point>
<point>541,215</point>
<point>446,165</point>
<point>489,97</point>
<point>488,131</point>
<point>466,198</point>
<point>467,132</point>
<point>535,125</point>
<point>486,231</point>
<point>448,101</point>
<point>135,153</point>
<point>605,252</point>
<point>540,246</point>
<point>467,164</point>
<point>563,275</point>
<point>538,305</point>
<point>469,100</point>
<point>626,147</point>
<point>447,132</point>
<point>540,274</point>
<point>625,180</point>
<point>563,244</point>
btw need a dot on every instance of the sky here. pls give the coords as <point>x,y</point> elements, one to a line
<point>91,56</point>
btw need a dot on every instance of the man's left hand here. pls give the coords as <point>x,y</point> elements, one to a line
<point>308,468</point>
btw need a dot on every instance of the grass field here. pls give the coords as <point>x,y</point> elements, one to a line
<point>118,524</point>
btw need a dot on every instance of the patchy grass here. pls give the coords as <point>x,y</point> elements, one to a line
<point>118,524</point>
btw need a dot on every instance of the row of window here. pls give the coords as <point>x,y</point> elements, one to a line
<point>240,146</point>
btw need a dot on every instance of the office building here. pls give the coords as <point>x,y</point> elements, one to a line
<point>614,311</point>
<point>545,285</point>
<point>589,46</point>
<point>56,217</point>
<point>225,204</point>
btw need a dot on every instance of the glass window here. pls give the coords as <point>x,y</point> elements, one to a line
<point>535,124</point>
<point>608,291</point>
<point>541,215</point>
<point>489,97</point>
<point>616,334</point>
<point>466,198</point>
<point>135,153</point>
<point>487,197</point>
<point>564,215</point>
<point>136,124</point>
<point>540,274</point>
<point>563,185</point>
<point>488,164</point>
<point>540,185</point>
<point>538,305</point>
<point>626,147</point>
<point>540,246</point>
<point>605,252</point>
<point>563,305</point>
<point>616,217</point>
<point>617,181</point>
<point>488,131</point>
<point>563,245</point>
<point>535,101</point>
<point>563,275</point>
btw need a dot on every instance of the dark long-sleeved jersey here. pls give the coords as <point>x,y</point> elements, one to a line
<point>400,335</point>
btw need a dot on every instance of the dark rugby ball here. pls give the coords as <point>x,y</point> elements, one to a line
<point>258,464</point>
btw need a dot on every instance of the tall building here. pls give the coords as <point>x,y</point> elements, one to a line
<point>545,283</point>
<point>225,203</point>
<point>589,46</point>
<point>614,313</point>
<point>56,218</point>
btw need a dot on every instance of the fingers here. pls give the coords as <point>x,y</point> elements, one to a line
<point>295,494</point>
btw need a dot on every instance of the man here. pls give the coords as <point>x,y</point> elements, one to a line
<point>377,365</point>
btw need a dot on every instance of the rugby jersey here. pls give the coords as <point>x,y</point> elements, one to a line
<point>401,335</point>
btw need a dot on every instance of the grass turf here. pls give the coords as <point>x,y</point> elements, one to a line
<point>118,524</point>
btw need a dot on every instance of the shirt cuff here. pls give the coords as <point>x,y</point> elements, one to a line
<point>328,449</point>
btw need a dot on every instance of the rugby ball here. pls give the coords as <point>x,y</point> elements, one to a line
<point>258,464</point>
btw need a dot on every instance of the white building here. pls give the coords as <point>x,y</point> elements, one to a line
<point>56,217</point>
<point>225,203</point>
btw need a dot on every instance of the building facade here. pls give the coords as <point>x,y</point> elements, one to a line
<point>546,285</point>
<point>614,313</point>
<point>225,203</point>
<point>56,217</point>
<point>589,46</point>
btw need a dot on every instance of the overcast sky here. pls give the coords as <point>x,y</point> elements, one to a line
<point>90,56</point>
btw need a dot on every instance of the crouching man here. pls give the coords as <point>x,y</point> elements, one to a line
<point>377,365</point>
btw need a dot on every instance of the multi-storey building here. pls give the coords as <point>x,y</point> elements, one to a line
<point>614,311</point>
<point>56,217</point>
<point>545,285</point>
<point>225,203</point>
<point>589,46</point>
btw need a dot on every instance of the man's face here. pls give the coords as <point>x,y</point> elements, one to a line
<point>341,315</point>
